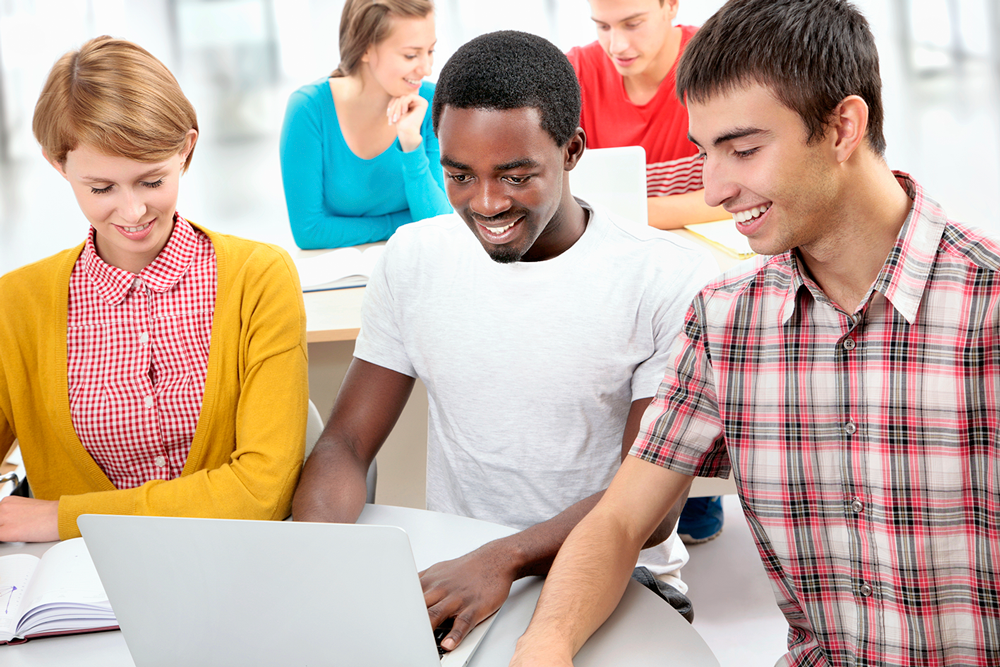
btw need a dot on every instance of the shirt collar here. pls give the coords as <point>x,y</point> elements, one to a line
<point>788,263</point>
<point>906,270</point>
<point>113,283</point>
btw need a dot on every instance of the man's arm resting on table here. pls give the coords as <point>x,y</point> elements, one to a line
<point>590,573</point>
<point>675,211</point>
<point>472,587</point>
<point>332,485</point>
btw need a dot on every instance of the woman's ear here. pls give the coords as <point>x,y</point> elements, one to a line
<point>189,142</point>
<point>58,167</point>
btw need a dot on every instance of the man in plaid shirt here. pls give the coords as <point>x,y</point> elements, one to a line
<point>848,378</point>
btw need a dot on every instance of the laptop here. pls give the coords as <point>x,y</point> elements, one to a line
<point>229,592</point>
<point>614,178</point>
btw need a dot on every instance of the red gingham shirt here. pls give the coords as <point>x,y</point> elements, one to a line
<point>138,355</point>
<point>864,445</point>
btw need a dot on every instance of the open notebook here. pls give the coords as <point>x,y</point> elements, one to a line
<point>57,594</point>
<point>227,592</point>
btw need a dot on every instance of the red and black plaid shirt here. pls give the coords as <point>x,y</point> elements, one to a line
<point>138,356</point>
<point>864,444</point>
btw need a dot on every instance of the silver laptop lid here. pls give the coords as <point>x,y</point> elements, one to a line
<point>227,592</point>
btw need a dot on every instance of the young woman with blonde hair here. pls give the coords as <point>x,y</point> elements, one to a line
<point>358,154</point>
<point>156,368</point>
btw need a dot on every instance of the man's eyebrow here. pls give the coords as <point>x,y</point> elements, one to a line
<point>507,166</point>
<point>738,133</point>
<point>448,162</point>
<point>516,164</point>
<point>631,17</point>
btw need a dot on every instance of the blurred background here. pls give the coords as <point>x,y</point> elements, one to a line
<point>238,60</point>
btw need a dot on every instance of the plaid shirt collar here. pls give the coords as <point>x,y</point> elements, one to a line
<point>113,283</point>
<point>906,271</point>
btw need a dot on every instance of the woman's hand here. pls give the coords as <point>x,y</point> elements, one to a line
<point>28,520</point>
<point>407,114</point>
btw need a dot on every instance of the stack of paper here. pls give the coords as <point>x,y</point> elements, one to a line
<point>338,269</point>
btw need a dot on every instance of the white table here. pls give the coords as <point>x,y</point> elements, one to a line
<point>644,630</point>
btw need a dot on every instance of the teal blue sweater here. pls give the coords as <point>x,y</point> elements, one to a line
<point>335,198</point>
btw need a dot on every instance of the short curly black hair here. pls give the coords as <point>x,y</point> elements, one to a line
<point>512,70</point>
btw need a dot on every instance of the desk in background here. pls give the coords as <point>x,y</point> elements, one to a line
<point>643,631</point>
<point>333,315</point>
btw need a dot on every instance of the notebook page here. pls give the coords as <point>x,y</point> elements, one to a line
<point>15,575</point>
<point>66,575</point>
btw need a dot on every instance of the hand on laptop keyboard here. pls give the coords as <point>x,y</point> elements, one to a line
<point>440,632</point>
<point>470,588</point>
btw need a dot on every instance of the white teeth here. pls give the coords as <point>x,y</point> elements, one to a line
<point>499,230</point>
<point>742,217</point>
<point>137,229</point>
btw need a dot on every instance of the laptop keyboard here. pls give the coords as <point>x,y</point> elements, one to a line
<point>440,632</point>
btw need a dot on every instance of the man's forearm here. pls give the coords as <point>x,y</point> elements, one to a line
<point>584,586</point>
<point>332,487</point>
<point>675,211</point>
<point>590,573</point>
<point>532,551</point>
<point>472,587</point>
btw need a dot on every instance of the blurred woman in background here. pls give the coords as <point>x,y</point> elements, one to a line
<point>358,154</point>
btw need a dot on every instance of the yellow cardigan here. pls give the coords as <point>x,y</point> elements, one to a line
<point>248,445</point>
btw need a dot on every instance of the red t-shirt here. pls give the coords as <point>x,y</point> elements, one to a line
<point>660,126</point>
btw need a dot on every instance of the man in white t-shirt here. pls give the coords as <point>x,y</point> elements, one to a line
<point>539,355</point>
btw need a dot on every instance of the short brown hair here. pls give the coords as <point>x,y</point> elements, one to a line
<point>365,23</point>
<point>810,53</point>
<point>115,96</point>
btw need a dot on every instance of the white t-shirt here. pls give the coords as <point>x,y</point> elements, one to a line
<point>530,367</point>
